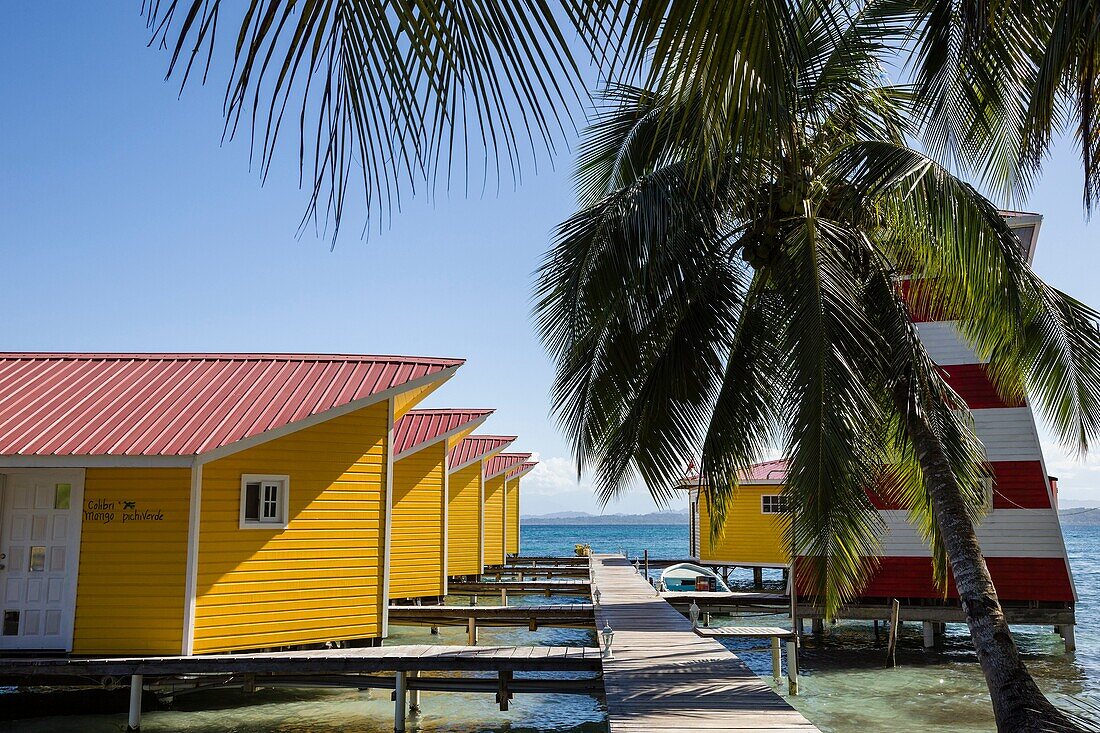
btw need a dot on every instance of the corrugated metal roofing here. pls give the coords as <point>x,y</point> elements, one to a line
<point>502,462</point>
<point>179,404</point>
<point>421,426</point>
<point>527,466</point>
<point>474,447</point>
<point>766,471</point>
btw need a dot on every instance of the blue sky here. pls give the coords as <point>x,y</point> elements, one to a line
<point>125,224</point>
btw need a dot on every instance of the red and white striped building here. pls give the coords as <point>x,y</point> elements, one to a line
<point>1021,537</point>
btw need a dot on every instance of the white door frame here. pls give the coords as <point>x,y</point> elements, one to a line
<point>75,477</point>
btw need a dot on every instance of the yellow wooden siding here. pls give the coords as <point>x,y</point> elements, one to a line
<point>462,435</point>
<point>750,536</point>
<point>463,520</point>
<point>512,533</point>
<point>416,550</point>
<point>132,578</point>
<point>410,398</point>
<point>319,579</point>
<point>494,521</point>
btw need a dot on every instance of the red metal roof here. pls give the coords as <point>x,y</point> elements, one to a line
<point>417,427</point>
<point>474,447</point>
<point>527,466</point>
<point>502,462</point>
<point>767,471</point>
<point>180,404</point>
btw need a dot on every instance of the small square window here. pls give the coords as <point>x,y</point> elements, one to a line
<point>264,501</point>
<point>773,504</point>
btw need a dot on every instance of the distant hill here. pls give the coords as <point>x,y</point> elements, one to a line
<point>1080,515</point>
<point>584,518</point>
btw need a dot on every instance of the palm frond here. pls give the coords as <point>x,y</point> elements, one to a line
<point>384,94</point>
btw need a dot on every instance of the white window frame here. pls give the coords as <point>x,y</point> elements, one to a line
<point>282,500</point>
<point>780,500</point>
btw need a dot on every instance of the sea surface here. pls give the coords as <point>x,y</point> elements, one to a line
<point>844,685</point>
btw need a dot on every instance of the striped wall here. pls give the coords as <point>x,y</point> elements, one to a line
<point>1021,538</point>
<point>464,521</point>
<point>130,587</point>
<point>493,552</point>
<point>320,578</point>
<point>417,532</point>
<point>511,516</point>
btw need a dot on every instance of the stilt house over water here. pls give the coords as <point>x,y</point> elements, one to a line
<point>186,503</point>
<point>418,553</point>
<point>1021,537</point>
<point>511,506</point>
<point>466,489</point>
<point>495,535</point>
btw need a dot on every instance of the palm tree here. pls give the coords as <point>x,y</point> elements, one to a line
<point>731,281</point>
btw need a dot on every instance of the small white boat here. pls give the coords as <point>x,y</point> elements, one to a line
<point>691,578</point>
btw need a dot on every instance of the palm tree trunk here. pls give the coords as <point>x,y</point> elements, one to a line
<point>1018,704</point>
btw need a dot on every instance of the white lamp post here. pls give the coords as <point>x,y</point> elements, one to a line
<point>693,614</point>
<point>596,596</point>
<point>608,635</point>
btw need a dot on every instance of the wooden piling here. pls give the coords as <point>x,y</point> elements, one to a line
<point>777,662</point>
<point>892,639</point>
<point>414,697</point>
<point>792,668</point>
<point>400,693</point>
<point>133,720</point>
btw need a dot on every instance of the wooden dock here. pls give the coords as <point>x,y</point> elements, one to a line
<point>663,676</point>
<point>518,587</point>
<point>565,615</point>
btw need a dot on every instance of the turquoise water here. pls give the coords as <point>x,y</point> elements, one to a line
<point>844,686</point>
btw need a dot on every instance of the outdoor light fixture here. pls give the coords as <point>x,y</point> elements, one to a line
<point>693,614</point>
<point>635,566</point>
<point>608,635</point>
<point>596,596</point>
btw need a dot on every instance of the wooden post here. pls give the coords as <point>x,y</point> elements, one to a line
<point>473,599</point>
<point>1069,638</point>
<point>876,630</point>
<point>645,554</point>
<point>504,596</point>
<point>818,626</point>
<point>503,694</point>
<point>133,720</point>
<point>777,662</point>
<point>758,578</point>
<point>400,693</point>
<point>414,697</point>
<point>929,634</point>
<point>892,639</point>
<point>792,668</point>
<point>471,631</point>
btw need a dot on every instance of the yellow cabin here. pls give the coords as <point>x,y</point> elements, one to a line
<point>422,440</point>
<point>493,508</point>
<point>193,503</point>
<point>511,506</point>
<point>752,535</point>
<point>465,467</point>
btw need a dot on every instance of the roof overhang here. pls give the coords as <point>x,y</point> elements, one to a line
<point>177,461</point>
<point>445,437</point>
<point>483,457</point>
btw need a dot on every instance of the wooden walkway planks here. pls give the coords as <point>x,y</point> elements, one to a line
<point>665,677</point>
<point>559,614</point>
<point>402,658</point>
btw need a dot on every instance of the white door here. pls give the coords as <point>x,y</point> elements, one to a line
<point>40,514</point>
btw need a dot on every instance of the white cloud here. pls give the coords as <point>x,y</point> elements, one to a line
<point>552,486</point>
